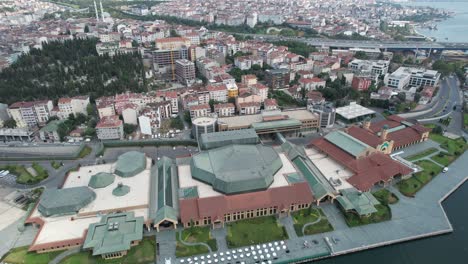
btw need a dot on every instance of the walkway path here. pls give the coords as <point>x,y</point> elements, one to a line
<point>220,235</point>
<point>65,254</point>
<point>312,223</point>
<point>190,244</point>
<point>288,223</point>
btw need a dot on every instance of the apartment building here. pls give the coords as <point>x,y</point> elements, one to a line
<point>74,105</point>
<point>30,114</point>
<point>185,71</point>
<point>373,67</point>
<point>200,110</point>
<point>227,109</point>
<point>110,127</point>
<point>218,92</point>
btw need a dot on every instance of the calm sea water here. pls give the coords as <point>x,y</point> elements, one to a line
<point>445,249</point>
<point>454,29</point>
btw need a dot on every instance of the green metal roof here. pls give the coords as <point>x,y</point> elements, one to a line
<point>362,202</point>
<point>130,164</point>
<point>65,201</point>
<point>276,124</point>
<point>51,126</point>
<point>294,178</point>
<point>347,143</point>
<point>114,233</point>
<point>163,191</point>
<point>318,190</point>
<point>224,138</point>
<point>237,168</point>
<point>101,180</point>
<point>121,190</point>
<point>189,192</point>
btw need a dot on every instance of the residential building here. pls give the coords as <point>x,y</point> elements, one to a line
<point>74,105</point>
<point>105,108</point>
<point>185,71</point>
<point>218,92</point>
<point>361,83</point>
<point>270,104</point>
<point>110,127</point>
<point>277,78</point>
<point>375,68</point>
<point>249,108</point>
<point>199,110</point>
<point>226,109</point>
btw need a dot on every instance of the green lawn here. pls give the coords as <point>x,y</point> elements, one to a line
<point>443,158</point>
<point>85,152</point>
<point>194,235</point>
<point>411,186</point>
<point>385,197</point>
<point>145,253</point>
<point>56,165</point>
<point>465,120</point>
<point>383,214</point>
<point>23,176</point>
<point>453,146</point>
<point>305,216</point>
<point>254,231</point>
<point>422,154</point>
<point>21,255</point>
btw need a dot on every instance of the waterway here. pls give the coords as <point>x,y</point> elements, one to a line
<point>446,249</point>
<point>454,29</point>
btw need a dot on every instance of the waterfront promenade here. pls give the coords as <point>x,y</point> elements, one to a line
<point>412,218</point>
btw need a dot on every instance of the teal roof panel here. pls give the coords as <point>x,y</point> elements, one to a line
<point>114,233</point>
<point>65,201</point>
<point>347,143</point>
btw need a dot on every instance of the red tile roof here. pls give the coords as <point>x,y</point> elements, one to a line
<point>216,207</point>
<point>368,170</point>
<point>365,136</point>
<point>109,122</point>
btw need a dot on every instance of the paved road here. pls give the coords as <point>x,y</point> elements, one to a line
<point>56,177</point>
<point>343,43</point>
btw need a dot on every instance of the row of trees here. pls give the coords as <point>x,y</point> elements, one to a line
<point>70,68</point>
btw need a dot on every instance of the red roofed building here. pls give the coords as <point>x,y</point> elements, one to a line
<point>200,110</point>
<point>361,83</point>
<point>218,210</point>
<point>226,109</point>
<point>370,168</point>
<point>110,127</point>
<point>271,104</point>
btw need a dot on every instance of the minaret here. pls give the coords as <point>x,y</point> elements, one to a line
<point>102,11</point>
<point>95,9</point>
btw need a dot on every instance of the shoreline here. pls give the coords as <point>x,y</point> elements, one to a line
<point>445,227</point>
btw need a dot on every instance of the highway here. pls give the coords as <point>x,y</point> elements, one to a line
<point>369,44</point>
<point>449,102</point>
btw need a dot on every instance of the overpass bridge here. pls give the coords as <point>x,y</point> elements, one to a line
<point>369,44</point>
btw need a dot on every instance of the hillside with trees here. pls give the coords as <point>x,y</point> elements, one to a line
<point>68,69</point>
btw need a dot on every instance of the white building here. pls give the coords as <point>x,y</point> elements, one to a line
<point>218,93</point>
<point>374,67</point>
<point>405,76</point>
<point>145,125</point>
<point>129,115</point>
<point>74,105</point>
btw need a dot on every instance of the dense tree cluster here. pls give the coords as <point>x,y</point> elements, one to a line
<point>70,68</point>
<point>297,47</point>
